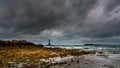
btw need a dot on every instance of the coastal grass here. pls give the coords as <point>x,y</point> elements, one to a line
<point>35,53</point>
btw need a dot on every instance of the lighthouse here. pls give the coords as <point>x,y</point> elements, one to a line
<point>49,42</point>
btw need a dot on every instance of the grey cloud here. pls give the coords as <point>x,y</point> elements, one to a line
<point>29,16</point>
<point>112,4</point>
<point>74,18</point>
<point>35,16</point>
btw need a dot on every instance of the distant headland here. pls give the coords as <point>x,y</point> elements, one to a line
<point>97,44</point>
<point>17,43</point>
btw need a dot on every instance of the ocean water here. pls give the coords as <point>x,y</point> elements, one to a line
<point>88,46</point>
<point>106,48</point>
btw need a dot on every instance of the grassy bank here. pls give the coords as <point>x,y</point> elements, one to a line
<point>34,53</point>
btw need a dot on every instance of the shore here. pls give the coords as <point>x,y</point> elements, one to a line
<point>47,57</point>
<point>103,58</point>
<point>31,56</point>
<point>90,61</point>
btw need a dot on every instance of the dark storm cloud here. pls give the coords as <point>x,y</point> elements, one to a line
<point>64,18</point>
<point>29,16</point>
<point>112,4</point>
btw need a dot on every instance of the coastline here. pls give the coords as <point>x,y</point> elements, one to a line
<point>30,56</point>
<point>52,57</point>
<point>103,58</point>
<point>89,61</point>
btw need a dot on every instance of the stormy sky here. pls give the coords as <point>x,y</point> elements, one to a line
<point>64,21</point>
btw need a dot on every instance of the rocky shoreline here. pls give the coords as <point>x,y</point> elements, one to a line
<point>21,55</point>
<point>30,56</point>
<point>81,61</point>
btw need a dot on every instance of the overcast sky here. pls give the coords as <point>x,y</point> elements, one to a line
<point>64,21</point>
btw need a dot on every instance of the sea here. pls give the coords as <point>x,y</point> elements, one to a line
<point>110,48</point>
<point>86,46</point>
